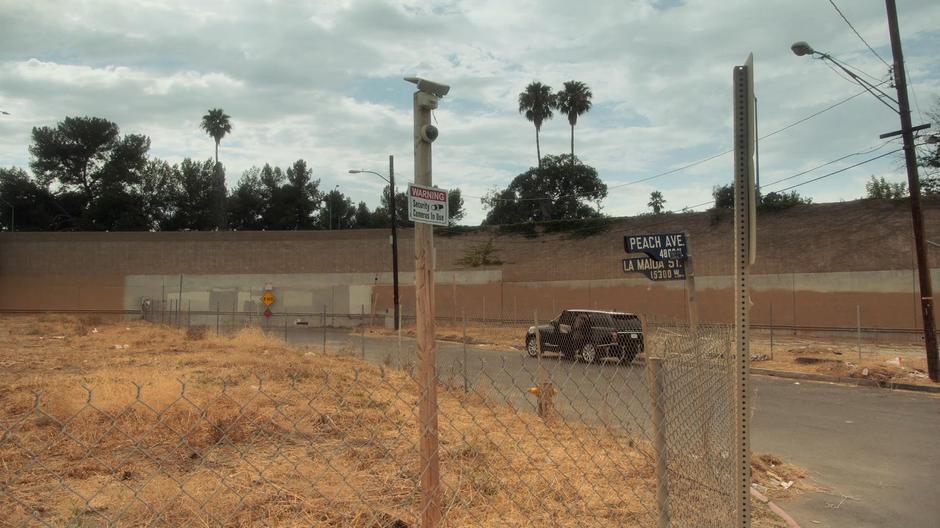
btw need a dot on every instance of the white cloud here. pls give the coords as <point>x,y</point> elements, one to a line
<point>321,81</point>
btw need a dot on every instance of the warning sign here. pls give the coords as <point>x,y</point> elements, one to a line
<point>268,298</point>
<point>427,205</point>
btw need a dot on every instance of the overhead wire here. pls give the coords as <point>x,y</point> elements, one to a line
<point>857,34</point>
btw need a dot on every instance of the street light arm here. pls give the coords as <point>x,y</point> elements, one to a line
<point>355,171</point>
<point>869,87</point>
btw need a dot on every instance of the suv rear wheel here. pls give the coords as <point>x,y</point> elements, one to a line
<point>588,353</point>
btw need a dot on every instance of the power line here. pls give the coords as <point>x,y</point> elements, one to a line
<point>833,173</point>
<point>801,173</point>
<point>860,37</point>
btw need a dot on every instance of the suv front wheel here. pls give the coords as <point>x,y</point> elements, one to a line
<point>531,348</point>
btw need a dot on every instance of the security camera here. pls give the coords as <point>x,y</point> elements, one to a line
<point>429,133</point>
<point>429,87</point>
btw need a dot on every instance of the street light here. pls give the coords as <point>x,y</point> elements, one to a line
<point>391,206</point>
<point>913,180</point>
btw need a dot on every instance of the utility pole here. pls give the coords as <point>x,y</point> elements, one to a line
<point>913,183</point>
<point>392,206</point>
<point>425,100</point>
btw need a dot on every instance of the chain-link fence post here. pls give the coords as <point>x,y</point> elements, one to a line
<point>218,316</point>
<point>466,380</point>
<point>323,326</point>
<point>657,402</point>
<point>189,313</point>
<point>858,329</point>
<point>362,329</point>
<point>545,391</point>
<point>771,330</point>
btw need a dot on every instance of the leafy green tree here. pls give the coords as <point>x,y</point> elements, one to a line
<point>562,189</point>
<point>724,196</point>
<point>192,197</point>
<point>881,189</point>
<point>455,208</point>
<point>382,215</point>
<point>574,101</point>
<point>248,202</point>
<point>363,219</point>
<point>95,169</point>
<point>26,204</point>
<point>301,196</point>
<point>338,212</point>
<point>779,201</point>
<point>537,102</point>
<point>657,202</point>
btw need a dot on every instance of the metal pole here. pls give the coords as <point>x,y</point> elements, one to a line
<point>913,183</point>
<point>771,330</point>
<point>251,306</point>
<point>179,301</point>
<point>431,507</point>
<point>189,313</point>
<point>466,381</point>
<point>323,326</point>
<point>858,329</point>
<point>690,287</point>
<point>654,366</point>
<point>362,325</point>
<point>218,315</point>
<point>392,203</point>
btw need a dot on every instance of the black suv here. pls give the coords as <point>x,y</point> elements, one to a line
<point>589,334</point>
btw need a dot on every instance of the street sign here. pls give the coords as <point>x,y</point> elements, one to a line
<point>268,298</point>
<point>427,205</point>
<point>268,312</point>
<point>655,270</point>
<point>670,246</point>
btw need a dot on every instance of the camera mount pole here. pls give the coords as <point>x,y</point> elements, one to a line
<point>431,510</point>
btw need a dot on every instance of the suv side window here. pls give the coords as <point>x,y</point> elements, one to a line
<point>600,320</point>
<point>567,318</point>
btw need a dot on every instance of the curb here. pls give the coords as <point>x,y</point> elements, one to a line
<point>791,522</point>
<point>842,379</point>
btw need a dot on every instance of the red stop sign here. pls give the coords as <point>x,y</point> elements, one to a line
<point>268,313</point>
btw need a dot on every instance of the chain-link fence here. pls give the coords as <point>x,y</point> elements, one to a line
<point>591,419</point>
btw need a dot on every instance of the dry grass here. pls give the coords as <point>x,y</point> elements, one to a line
<point>248,430</point>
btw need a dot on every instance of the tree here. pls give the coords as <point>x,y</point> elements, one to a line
<point>930,162</point>
<point>26,204</point>
<point>574,100</point>
<point>96,169</point>
<point>562,189</point>
<point>724,196</point>
<point>455,209</point>
<point>338,213</point>
<point>217,124</point>
<point>363,219</point>
<point>248,202</point>
<point>779,201</point>
<point>192,197</point>
<point>537,102</point>
<point>656,202</point>
<point>382,215</point>
<point>881,189</point>
<point>301,195</point>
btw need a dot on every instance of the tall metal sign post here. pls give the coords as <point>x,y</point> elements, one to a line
<point>425,100</point>
<point>745,245</point>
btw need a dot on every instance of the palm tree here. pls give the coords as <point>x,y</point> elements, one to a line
<point>537,102</point>
<point>574,100</point>
<point>216,124</point>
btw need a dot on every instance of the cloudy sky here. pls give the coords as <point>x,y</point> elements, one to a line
<point>322,81</point>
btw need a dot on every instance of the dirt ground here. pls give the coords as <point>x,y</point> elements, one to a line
<point>881,361</point>
<point>108,422</point>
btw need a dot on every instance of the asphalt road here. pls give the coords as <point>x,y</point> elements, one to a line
<point>874,452</point>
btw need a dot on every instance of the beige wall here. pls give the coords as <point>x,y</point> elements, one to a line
<point>815,265</point>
